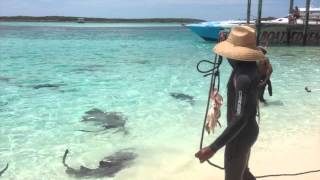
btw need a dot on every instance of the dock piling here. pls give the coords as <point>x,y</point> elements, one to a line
<point>306,23</point>
<point>291,2</point>
<point>248,11</point>
<point>258,23</point>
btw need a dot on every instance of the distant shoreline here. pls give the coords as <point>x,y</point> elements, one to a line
<point>95,20</point>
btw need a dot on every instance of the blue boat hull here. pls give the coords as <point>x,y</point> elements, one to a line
<point>208,33</point>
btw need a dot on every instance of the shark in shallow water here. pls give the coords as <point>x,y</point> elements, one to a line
<point>4,79</point>
<point>108,120</point>
<point>108,167</point>
<point>39,86</point>
<point>183,97</point>
<point>4,169</point>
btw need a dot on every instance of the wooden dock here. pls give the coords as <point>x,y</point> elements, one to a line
<point>289,34</point>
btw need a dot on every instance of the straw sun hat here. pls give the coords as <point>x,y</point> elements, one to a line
<point>240,45</point>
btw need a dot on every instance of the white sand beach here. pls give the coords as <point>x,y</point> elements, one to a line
<point>292,154</point>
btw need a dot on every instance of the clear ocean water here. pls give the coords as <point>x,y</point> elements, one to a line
<point>130,69</point>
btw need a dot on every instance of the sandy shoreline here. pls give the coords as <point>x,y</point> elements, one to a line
<point>282,156</point>
<point>293,155</point>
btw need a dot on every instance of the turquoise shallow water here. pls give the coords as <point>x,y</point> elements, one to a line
<point>131,70</point>
<point>89,25</point>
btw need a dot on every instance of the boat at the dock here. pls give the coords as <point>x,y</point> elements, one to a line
<point>210,30</point>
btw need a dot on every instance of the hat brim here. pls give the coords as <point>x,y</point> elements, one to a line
<point>229,50</point>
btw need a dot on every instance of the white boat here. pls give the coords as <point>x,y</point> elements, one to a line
<point>314,17</point>
<point>81,20</point>
<point>314,13</point>
<point>210,30</point>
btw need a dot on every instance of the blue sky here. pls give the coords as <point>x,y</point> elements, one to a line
<point>202,9</point>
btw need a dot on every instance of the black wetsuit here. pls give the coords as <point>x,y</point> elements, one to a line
<point>263,87</point>
<point>242,130</point>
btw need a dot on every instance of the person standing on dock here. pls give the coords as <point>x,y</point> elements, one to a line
<point>291,19</point>
<point>242,129</point>
<point>296,14</point>
<point>265,71</point>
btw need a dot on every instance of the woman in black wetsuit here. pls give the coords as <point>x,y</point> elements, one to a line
<point>242,129</point>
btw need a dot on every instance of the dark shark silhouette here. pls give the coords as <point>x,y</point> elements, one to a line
<point>108,120</point>
<point>4,170</point>
<point>183,97</point>
<point>39,86</point>
<point>108,167</point>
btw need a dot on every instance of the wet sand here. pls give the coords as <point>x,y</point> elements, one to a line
<point>291,155</point>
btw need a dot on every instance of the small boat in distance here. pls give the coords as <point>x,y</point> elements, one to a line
<point>81,20</point>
